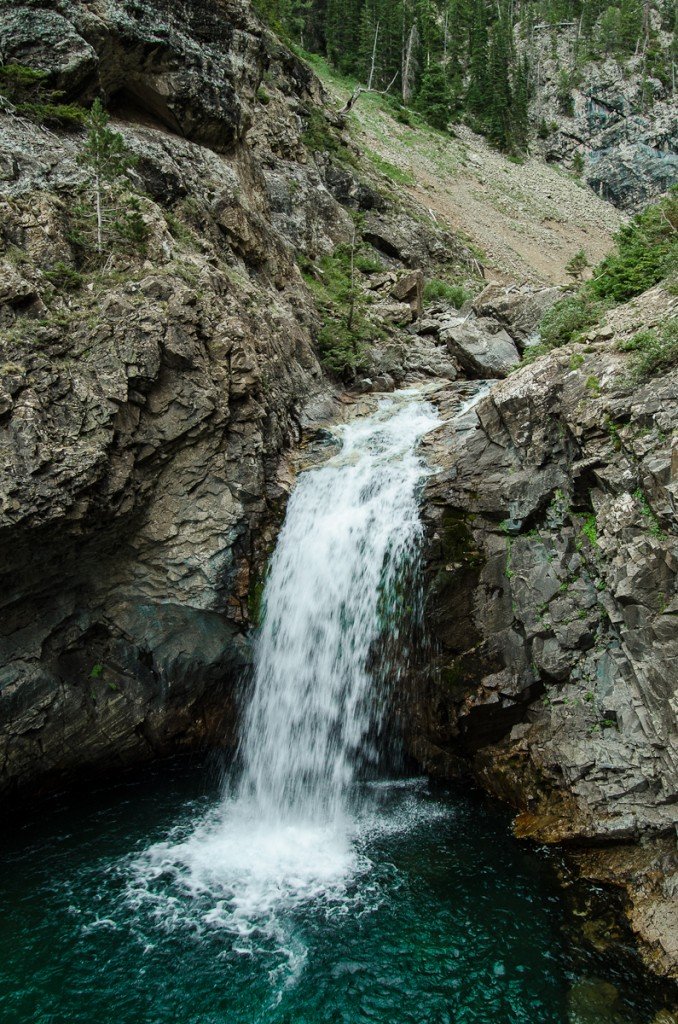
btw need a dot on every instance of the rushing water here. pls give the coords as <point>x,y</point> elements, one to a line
<point>301,892</point>
<point>351,529</point>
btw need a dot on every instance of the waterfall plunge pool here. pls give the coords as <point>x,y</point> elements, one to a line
<point>431,914</point>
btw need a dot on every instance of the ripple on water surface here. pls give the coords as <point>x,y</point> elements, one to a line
<point>422,909</point>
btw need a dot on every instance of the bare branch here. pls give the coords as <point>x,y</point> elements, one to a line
<point>360,89</point>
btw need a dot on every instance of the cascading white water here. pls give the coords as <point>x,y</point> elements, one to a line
<point>287,834</point>
<point>351,527</point>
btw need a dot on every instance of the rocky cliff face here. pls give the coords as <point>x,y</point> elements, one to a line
<point>553,579</point>
<point>611,115</point>
<point>145,403</point>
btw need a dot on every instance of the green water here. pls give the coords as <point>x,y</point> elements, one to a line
<point>432,914</point>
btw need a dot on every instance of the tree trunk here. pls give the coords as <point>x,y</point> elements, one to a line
<point>351,307</point>
<point>97,193</point>
<point>408,65</point>
<point>374,58</point>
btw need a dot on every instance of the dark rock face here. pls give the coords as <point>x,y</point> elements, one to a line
<point>143,414</point>
<point>197,73</point>
<point>552,599</point>
<point>145,407</point>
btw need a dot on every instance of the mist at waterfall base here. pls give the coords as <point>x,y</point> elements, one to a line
<point>306,890</point>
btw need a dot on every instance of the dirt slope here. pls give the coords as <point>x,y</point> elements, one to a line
<point>527,219</point>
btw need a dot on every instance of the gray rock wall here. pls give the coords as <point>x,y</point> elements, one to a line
<point>552,601</point>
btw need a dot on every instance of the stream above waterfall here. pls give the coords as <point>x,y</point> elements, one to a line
<point>313,884</point>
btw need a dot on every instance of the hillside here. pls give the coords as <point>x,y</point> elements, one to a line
<point>525,217</point>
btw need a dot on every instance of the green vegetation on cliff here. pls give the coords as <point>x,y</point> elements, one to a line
<point>345,330</point>
<point>645,254</point>
<point>24,91</point>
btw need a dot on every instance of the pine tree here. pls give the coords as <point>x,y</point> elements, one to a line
<point>497,115</point>
<point>107,159</point>
<point>478,90</point>
<point>434,98</point>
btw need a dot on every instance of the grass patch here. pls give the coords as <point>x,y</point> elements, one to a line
<point>368,262</point>
<point>393,173</point>
<point>437,290</point>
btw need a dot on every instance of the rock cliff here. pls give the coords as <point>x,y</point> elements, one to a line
<point>553,579</point>
<point>608,118</point>
<point>145,399</point>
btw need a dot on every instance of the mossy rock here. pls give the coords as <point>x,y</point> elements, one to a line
<point>458,544</point>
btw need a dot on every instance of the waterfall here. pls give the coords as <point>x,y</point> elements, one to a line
<point>352,527</point>
<point>287,833</point>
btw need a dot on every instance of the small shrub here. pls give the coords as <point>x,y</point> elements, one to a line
<point>613,431</point>
<point>343,350</point>
<point>653,523</point>
<point>543,131</point>
<point>63,277</point>
<point>578,166</point>
<point>654,351</point>
<point>436,290</point>
<point>646,252</point>
<point>590,529</point>
<point>568,319</point>
<point>368,263</point>
<point>177,228</point>
<point>130,226</point>
<point>319,137</point>
<point>564,95</point>
<point>577,265</point>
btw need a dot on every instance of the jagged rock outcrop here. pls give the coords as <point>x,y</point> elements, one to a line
<point>609,113</point>
<point>552,598</point>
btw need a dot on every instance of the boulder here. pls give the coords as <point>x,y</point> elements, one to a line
<point>481,354</point>
<point>410,289</point>
<point>518,310</point>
